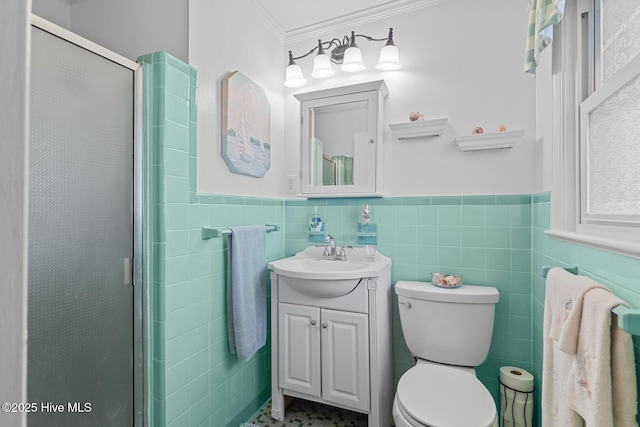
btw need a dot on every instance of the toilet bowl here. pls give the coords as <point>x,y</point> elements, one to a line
<point>432,395</point>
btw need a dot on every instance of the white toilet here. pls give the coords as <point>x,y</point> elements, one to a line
<point>449,332</point>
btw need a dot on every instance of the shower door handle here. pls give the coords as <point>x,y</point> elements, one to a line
<point>128,271</point>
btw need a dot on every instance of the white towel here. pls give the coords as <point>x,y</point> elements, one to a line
<point>561,292</point>
<point>602,382</point>
<point>568,291</point>
<point>568,337</point>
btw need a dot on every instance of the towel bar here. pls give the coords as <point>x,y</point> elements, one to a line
<point>572,270</point>
<point>209,233</point>
<point>628,319</point>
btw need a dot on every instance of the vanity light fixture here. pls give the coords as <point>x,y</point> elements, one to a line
<point>346,53</point>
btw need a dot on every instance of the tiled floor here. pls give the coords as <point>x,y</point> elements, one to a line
<point>302,413</point>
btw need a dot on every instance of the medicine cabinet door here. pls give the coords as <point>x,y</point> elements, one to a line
<point>341,142</point>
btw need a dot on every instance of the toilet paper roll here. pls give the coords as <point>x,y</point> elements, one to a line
<point>516,378</point>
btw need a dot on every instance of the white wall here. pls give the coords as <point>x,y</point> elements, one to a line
<point>225,37</point>
<point>14,137</point>
<point>56,11</point>
<point>129,28</point>
<point>544,121</point>
<point>462,59</point>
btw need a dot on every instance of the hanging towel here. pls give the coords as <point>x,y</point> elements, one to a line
<point>568,336</point>
<point>562,289</point>
<point>543,14</point>
<point>602,383</point>
<point>246,291</point>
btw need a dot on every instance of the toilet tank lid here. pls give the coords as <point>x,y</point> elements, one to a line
<point>466,294</point>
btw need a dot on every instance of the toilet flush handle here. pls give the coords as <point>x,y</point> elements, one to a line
<point>407,303</point>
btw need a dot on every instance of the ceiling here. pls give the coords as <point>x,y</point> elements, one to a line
<point>295,15</point>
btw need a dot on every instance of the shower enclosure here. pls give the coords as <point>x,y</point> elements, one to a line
<point>85,309</point>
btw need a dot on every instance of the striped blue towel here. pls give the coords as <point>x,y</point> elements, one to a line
<point>543,15</point>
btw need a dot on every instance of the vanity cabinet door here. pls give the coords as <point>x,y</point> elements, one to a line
<point>345,358</point>
<point>299,348</point>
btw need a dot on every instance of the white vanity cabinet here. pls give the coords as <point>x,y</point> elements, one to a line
<point>334,349</point>
<point>324,353</point>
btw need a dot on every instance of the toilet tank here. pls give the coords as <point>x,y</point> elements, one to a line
<point>444,325</point>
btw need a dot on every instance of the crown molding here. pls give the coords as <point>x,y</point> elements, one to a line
<point>266,19</point>
<point>365,16</point>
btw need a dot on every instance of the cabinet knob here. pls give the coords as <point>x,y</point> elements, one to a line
<point>324,325</point>
<point>313,322</point>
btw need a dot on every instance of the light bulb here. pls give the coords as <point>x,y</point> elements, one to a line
<point>389,58</point>
<point>352,60</point>
<point>294,77</point>
<point>322,67</point>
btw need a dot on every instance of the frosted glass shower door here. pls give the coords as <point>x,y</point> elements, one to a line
<point>81,312</point>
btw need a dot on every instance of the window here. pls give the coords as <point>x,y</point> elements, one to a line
<point>596,196</point>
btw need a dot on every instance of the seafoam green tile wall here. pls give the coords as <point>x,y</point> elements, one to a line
<point>621,274</point>
<point>194,380</point>
<point>487,238</point>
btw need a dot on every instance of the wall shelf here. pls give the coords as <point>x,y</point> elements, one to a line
<point>418,129</point>
<point>316,236</point>
<point>367,234</point>
<point>489,141</point>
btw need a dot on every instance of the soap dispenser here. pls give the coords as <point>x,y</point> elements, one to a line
<point>315,223</point>
<point>366,214</point>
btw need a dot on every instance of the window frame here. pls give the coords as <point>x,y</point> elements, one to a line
<point>623,77</point>
<point>572,82</point>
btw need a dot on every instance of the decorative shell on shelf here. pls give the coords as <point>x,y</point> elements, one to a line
<point>477,130</point>
<point>414,117</point>
<point>501,128</point>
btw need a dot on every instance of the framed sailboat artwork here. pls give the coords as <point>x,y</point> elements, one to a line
<point>245,126</point>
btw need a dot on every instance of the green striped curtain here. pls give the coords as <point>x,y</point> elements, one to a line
<point>543,14</point>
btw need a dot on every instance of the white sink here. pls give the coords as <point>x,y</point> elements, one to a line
<point>327,278</point>
<point>313,268</point>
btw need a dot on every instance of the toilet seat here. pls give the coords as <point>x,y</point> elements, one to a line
<point>443,396</point>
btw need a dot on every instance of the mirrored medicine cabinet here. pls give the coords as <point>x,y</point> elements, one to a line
<point>341,140</point>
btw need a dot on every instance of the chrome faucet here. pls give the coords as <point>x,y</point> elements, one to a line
<point>330,251</point>
<point>332,246</point>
